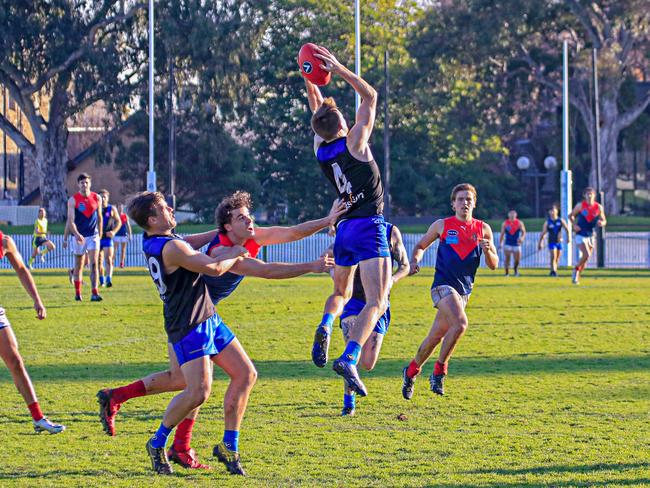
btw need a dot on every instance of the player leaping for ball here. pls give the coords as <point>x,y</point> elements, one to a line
<point>347,161</point>
<point>463,239</point>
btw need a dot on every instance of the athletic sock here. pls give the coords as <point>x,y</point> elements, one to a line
<point>349,400</point>
<point>159,439</point>
<point>77,287</point>
<point>327,321</point>
<point>109,279</point>
<point>352,352</point>
<point>413,369</point>
<point>231,440</point>
<point>124,393</point>
<point>101,280</point>
<point>183,435</point>
<point>35,410</point>
<point>95,292</point>
<point>440,368</point>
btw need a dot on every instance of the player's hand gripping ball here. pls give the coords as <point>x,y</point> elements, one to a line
<point>310,65</point>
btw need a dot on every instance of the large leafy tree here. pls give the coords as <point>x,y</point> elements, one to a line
<point>56,59</point>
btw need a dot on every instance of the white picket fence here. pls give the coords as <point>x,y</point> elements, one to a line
<point>624,250</point>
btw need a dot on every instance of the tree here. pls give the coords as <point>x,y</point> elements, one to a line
<point>56,59</point>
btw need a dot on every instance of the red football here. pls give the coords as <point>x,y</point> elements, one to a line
<point>310,65</point>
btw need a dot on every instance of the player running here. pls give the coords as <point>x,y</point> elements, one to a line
<point>9,344</point>
<point>123,235</point>
<point>347,161</point>
<point>235,230</point>
<point>85,226</point>
<point>463,240</point>
<point>513,231</point>
<point>40,239</point>
<point>372,347</point>
<point>112,224</point>
<point>553,227</point>
<point>585,217</point>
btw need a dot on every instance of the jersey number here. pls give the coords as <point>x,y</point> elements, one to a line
<point>156,275</point>
<point>342,182</point>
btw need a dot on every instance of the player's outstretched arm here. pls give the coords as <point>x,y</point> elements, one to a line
<point>197,241</point>
<point>314,96</point>
<point>179,254</point>
<point>434,232</point>
<point>541,236</point>
<point>279,271</point>
<point>25,277</point>
<point>403,266</point>
<point>365,119</point>
<point>278,235</point>
<point>489,250</point>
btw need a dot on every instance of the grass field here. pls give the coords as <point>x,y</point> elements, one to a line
<point>550,387</point>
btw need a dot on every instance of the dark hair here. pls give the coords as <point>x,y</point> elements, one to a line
<point>83,176</point>
<point>223,213</point>
<point>143,205</point>
<point>588,189</point>
<point>104,190</point>
<point>464,187</point>
<point>554,206</point>
<point>326,121</point>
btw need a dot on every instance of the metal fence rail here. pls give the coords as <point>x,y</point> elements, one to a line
<point>624,250</point>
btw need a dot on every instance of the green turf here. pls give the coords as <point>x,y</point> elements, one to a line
<point>549,387</point>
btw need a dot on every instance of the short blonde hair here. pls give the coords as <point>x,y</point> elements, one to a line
<point>464,187</point>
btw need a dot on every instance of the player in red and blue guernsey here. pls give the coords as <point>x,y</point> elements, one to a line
<point>112,224</point>
<point>85,226</point>
<point>463,240</point>
<point>513,231</point>
<point>345,158</point>
<point>236,232</point>
<point>585,217</point>
<point>553,227</point>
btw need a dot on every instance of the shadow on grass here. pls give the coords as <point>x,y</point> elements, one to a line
<point>585,468</point>
<point>553,483</point>
<point>106,373</point>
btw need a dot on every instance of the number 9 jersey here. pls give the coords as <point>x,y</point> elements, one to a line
<point>184,293</point>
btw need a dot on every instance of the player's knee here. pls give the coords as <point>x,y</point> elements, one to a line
<point>14,361</point>
<point>462,325</point>
<point>250,377</point>
<point>198,395</point>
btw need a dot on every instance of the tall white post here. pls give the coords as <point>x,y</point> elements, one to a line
<point>151,174</point>
<point>357,48</point>
<point>566,182</point>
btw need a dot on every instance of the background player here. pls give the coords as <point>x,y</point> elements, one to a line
<point>585,217</point>
<point>9,344</point>
<point>236,230</point>
<point>513,231</point>
<point>85,226</point>
<point>347,161</point>
<point>372,347</point>
<point>463,240</point>
<point>123,235</point>
<point>40,238</point>
<point>112,223</point>
<point>553,227</point>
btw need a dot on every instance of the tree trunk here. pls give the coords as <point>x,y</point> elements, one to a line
<point>608,154</point>
<point>51,159</point>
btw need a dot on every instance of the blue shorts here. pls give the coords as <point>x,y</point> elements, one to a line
<point>209,338</point>
<point>554,245</point>
<point>354,306</point>
<point>360,239</point>
<point>105,242</point>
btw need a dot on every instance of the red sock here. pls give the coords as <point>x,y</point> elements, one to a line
<point>95,291</point>
<point>183,435</point>
<point>440,368</point>
<point>413,369</point>
<point>124,393</point>
<point>35,410</point>
<point>77,287</point>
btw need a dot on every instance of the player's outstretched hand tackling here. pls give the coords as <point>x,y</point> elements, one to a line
<point>323,264</point>
<point>338,209</point>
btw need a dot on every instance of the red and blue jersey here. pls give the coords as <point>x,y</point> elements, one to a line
<point>588,218</point>
<point>512,229</point>
<point>223,286</point>
<point>122,230</point>
<point>459,254</point>
<point>85,213</point>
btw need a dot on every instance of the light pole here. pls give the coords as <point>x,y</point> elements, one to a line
<point>151,174</point>
<point>600,241</point>
<point>386,140</point>
<point>357,49</point>
<point>566,177</point>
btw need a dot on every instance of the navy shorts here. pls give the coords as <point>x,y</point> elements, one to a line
<point>38,241</point>
<point>354,306</point>
<point>208,338</point>
<point>360,239</point>
<point>554,245</point>
<point>105,242</point>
